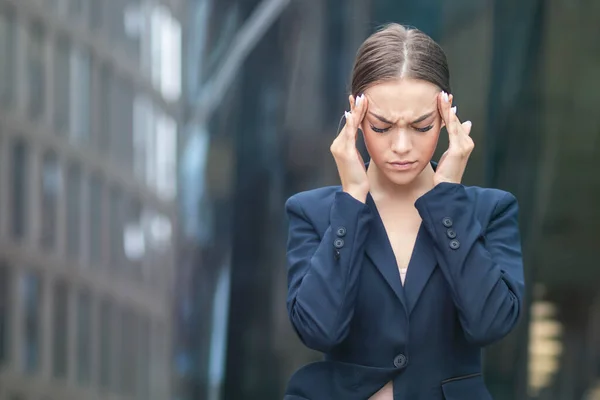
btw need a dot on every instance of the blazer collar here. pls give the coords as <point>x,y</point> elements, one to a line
<point>422,262</point>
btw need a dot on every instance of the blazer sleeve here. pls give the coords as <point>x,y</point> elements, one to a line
<point>483,265</point>
<point>323,271</point>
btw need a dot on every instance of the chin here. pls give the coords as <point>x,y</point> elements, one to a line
<point>402,178</point>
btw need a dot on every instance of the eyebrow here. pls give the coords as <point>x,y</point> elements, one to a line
<point>416,121</point>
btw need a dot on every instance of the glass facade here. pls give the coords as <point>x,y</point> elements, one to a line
<point>521,71</point>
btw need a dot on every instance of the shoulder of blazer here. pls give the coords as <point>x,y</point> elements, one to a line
<point>486,200</point>
<point>314,204</point>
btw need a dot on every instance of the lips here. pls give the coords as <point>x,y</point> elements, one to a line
<point>402,165</point>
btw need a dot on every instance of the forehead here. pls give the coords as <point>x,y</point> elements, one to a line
<point>402,97</point>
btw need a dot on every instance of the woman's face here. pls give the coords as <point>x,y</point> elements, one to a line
<point>401,127</point>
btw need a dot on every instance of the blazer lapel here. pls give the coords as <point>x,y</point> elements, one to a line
<point>379,250</point>
<point>421,266</point>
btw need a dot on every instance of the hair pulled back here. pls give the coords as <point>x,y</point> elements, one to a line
<point>396,52</point>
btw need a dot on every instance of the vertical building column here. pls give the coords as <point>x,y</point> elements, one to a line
<point>116,345</point>
<point>5,189</point>
<point>105,229</point>
<point>95,340</point>
<point>72,337</point>
<point>48,49</point>
<point>47,325</point>
<point>61,211</point>
<point>21,76</point>
<point>33,191</point>
<point>17,318</point>
<point>85,218</point>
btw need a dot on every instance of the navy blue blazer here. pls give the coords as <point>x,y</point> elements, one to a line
<point>463,290</point>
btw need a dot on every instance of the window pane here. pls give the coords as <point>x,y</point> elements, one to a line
<point>62,85</point>
<point>7,50</point>
<point>50,189</point>
<point>61,329</point>
<point>31,298</point>
<point>4,312</point>
<point>19,189</point>
<point>134,240</point>
<point>121,127</point>
<point>35,64</point>
<point>95,13</point>
<point>166,155</point>
<point>84,331</point>
<point>96,220</point>
<point>80,86</point>
<point>104,125</point>
<point>73,210</point>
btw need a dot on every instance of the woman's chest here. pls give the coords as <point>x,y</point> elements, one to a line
<point>402,232</point>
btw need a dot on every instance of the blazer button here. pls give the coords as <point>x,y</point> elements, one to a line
<point>341,231</point>
<point>451,234</point>
<point>338,243</point>
<point>447,222</point>
<point>454,244</point>
<point>400,361</point>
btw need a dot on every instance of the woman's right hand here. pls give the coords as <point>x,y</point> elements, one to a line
<point>350,164</point>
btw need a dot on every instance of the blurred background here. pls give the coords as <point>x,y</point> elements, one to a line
<point>147,148</point>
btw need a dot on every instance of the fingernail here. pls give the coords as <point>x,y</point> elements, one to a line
<point>446,98</point>
<point>346,114</point>
<point>357,102</point>
<point>454,109</point>
<point>468,123</point>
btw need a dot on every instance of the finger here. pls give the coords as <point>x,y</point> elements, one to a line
<point>350,124</point>
<point>362,108</point>
<point>454,126</point>
<point>444,107</point>
<point>452,123</point>
<point>467,125</point>
<point>352,101</point>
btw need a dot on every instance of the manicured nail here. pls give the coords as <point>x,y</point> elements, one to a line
<point>468,123</point>
<point>346,114</point>
<point>454,109</point>
<point>446,98</point>
<point>358,100</point>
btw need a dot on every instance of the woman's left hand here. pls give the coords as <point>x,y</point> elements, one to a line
<point>453,162</point>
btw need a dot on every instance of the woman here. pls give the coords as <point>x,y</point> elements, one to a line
<point>401,275</point>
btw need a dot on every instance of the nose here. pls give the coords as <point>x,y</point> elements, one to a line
<point>401,142</point>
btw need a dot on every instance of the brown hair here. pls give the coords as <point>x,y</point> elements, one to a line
<point>396,52</point>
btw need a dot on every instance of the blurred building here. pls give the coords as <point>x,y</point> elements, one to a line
<point>266,86</point>
<point>89,120</point>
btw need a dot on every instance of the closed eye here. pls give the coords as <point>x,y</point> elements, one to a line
<point>379,130</point>
<point>425,129</point>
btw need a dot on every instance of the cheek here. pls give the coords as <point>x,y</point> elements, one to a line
<point>374,143</point>
<point>429,142</point>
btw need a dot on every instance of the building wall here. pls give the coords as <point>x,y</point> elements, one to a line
<point>89,115</point>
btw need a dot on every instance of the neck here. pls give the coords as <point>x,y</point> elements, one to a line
<point>383,188</point>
